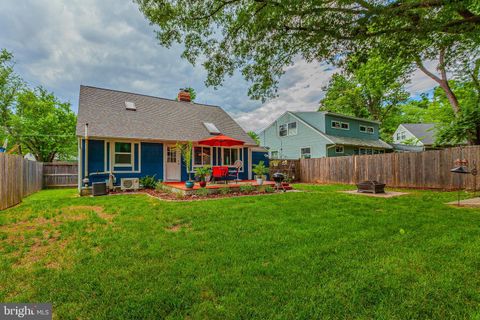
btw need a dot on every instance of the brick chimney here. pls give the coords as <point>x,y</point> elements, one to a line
<point>184,95</point>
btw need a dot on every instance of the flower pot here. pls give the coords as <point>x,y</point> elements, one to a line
<point>259,181</point>
<point>203,183</point>
<point>189,184</point>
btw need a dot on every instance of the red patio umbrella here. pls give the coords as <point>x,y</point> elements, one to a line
<point>221,140</point>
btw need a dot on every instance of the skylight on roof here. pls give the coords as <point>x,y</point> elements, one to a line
<point>130,105</point>
<point>211,128</point>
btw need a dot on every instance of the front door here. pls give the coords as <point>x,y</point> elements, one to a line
<point>173,165</point>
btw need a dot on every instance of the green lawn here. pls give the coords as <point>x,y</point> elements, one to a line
<point>319,254</point>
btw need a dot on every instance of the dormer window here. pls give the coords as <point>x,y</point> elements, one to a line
<point>130,106</point>
<point>340,125</point>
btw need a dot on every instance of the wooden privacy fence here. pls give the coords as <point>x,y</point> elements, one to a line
<point>18,178</point>
<point>428,169</point>
<point>60,174</point>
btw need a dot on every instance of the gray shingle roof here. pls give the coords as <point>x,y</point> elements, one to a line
<point>424,132</point>
<point>315,119</point>
<point>154,119</point>
<point>359,142</point>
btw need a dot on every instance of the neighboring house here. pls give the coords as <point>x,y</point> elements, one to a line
<point>414,136</point>
<point>134,135</point>
<point>321,134</point>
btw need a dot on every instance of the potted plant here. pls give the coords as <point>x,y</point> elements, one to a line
<point>260,171</point>
<point>201,173</point>
<point>186,151</point>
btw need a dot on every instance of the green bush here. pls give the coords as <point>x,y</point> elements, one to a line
<point>269,189</point>
<point>224,190</point>
<point>247,188</point>
<point>202,192</point>
<point>149,182</point>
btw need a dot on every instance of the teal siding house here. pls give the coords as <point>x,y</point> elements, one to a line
<point>131,135</point>
<point>297,135</point>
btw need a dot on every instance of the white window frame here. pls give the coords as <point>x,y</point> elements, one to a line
<point>340,123</point>
<point>240,153</point>
<point>366,129</point>
<point>290,132</point>
<point>132,152</point>
<point>340,152</point>
<point>271,154</point>
<point>203,164</point>
<point>302,155</point>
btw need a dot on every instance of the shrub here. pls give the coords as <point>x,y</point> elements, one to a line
<point>269,189</point>
<point>224,190</point>
<point>247,188</point>
<point>202,192</point>
<point>149,182</point>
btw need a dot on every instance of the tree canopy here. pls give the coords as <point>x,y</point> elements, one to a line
<point>262,37</point>
<point>34,119</point>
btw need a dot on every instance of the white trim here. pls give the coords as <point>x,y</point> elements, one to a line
<point>193,157</point>
<point>310,153</point>
<point>288,129</point>
<point>366,129</point>
<point>341,123</point>
<point>80,163</point>
<point>311,127</point>
<point>240,150</point>
<point>340,152</point>
<point>132,156</point>
<point>249,154</point>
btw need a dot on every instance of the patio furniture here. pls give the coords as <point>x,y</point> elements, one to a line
<point>237,164</point>
<point>220,173</point>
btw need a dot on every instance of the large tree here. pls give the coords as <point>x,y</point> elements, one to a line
<point>261,37</point>
<point>43,125</point>
<point>371,88</point>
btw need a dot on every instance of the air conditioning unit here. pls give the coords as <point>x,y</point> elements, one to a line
<point>129,184</point>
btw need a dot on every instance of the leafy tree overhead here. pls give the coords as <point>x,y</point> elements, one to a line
<point>372,89</point>
<point>262,37</point>
<point>34,119</point>
<point>43,125</point>
<point>254,136</point>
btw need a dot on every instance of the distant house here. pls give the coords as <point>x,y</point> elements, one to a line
<point>297,135</point>
<point>133,135</point>
<point>414,136</point>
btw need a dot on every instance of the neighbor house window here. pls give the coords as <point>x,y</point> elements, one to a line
<point>305,153</point>
<point>339,149</point>
<point>274,154</point>
<point>366,151</point>
<point>230,155</point>
<point>202,156</point>
<point>367,129</point>
<point>340,125</point>
<point>287,129</point>
<point>123,154</point>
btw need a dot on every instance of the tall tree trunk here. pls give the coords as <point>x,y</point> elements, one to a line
<point>442,80</point>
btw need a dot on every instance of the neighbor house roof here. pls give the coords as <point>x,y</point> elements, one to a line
<point>315,120</point>
<point>425,132</point>
<point>154,118</point>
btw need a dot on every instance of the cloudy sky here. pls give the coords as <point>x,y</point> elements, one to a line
<point>108,43</point>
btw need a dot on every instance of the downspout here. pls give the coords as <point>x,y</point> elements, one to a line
<point>80,166</point>
<point>86,151</point>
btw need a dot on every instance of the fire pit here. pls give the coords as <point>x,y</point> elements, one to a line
<point>371,187</point>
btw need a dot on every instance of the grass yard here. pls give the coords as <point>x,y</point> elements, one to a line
<point>309,255</point>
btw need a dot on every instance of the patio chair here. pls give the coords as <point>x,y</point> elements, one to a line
<point>220,173</point>
<point>237,164</point>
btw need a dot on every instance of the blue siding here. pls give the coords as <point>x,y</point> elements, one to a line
<point>150,162</point>
<point>258,156</point>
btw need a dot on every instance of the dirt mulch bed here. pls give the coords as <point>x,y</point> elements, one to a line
<point>168,196</point>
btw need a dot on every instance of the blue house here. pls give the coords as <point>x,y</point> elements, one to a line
<point>133,135</point>
<point>297,135</point>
